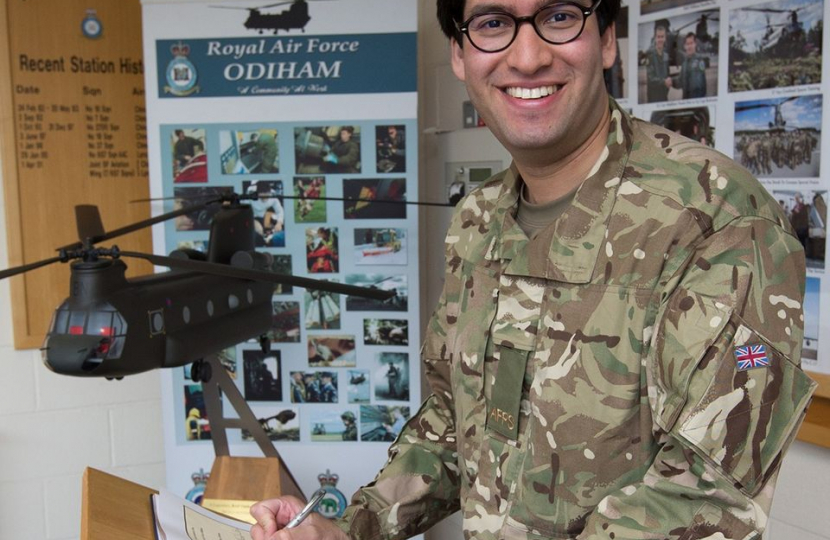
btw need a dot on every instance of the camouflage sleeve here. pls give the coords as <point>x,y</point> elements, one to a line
<point>725,388</point>
<point>419,485</point>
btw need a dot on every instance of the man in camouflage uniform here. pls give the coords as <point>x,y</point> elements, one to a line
<point>628,370</point>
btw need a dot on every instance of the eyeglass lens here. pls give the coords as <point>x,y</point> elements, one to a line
<point>557,23</point>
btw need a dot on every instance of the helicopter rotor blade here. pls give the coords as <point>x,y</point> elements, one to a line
<point>344,199</point>
<point>258,275</point>
<point>230,7</point>
<point>88,221</point>
<point>26,267</point>
<point>142,224</point>
<point>286,2</point>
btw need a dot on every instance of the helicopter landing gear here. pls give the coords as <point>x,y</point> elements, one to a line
<point>200,371</point>
<point>264,344</point>
<point>114,378</point>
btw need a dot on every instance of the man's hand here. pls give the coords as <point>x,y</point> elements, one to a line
<point>274,514</point>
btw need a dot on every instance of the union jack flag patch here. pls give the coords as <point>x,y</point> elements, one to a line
<point>752,356</point>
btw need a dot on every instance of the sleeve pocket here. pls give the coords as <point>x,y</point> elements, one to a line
<point>744,404</point>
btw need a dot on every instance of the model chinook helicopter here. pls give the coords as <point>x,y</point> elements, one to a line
<point>111,326</point>
<point>295,18</point>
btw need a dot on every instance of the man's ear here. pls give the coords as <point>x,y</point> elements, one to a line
<point>457,59</point>
<point>608,41</point>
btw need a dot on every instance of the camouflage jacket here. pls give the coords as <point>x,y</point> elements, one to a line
<point>636,418</point>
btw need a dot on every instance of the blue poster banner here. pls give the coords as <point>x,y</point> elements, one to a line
<point>274,66</point>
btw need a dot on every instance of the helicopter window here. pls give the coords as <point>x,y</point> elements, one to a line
<point>60,320</point>
<point>77,322</point>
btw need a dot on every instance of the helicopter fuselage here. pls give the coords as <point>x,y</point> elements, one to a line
<point>174,318</point>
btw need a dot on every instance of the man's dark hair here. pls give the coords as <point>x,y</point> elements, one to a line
<point>690,35</point>
<point>451,12</point>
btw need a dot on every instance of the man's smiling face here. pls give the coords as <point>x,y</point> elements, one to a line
<point>535,95</point>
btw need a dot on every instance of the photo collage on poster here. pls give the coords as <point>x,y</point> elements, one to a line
<point>743,77</point>
<point>328,204</point>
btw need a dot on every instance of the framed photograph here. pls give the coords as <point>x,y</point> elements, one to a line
<point>189,156</point>
<point>327,150</point>
<point>375,198</point>
<point>262,375</point>
<point>390,377</point>
<point>200,219</point>
<point>269,212</point>
<point>322,310</point>
<point>196,424</point>
<point>775,44</point>
<point>391,148</point>
<point>678,57</point>
<point>332,351</point>
<point>285,325</point>
<point>696,123</point>
<point>314,387</point>
<point>379,423</point>
<point>385,332</point>
<point>322,250</point>
<point>807,211</point>
<point>358,389</point>
<point>779,137</point>
<point>333,426</point>
<point>279,424</point>
<point>397,283</point>
<point>250,151</point>
<point>386,246</point>
<point>308,208</point>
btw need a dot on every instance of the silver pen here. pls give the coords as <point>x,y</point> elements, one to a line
<point>312,503</point>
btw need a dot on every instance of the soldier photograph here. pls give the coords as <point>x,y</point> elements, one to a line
<point>807,211</point>
<point>616,349</point>
<point>775,44</point>
<point>327,150</point>
<point>390,378</point>
<point>314,387</point>
<point>779,137</point>
<point>250,151</point>
<point>262,375</point>
<point>678,57</point>
<point>379,423</point>
<point>333,426</point>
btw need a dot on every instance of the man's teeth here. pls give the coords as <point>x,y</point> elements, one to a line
<point>531,93</point>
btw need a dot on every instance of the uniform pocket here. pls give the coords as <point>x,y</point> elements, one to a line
<point>745,403</point>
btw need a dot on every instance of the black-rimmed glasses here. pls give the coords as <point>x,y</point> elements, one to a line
<point>557,24</point>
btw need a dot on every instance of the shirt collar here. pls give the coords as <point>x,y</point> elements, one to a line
<point>567,250</point>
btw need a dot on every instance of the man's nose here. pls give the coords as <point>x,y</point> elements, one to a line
<point>529,52</point>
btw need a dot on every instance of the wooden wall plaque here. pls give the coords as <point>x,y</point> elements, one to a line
<point>72,131</point>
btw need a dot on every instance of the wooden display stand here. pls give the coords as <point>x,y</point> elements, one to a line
<point>115,509</point>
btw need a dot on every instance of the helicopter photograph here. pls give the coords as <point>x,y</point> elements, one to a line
<point>775,44</point>
<point>385,332</point>
<point>651,6</point>
<point>111,326</point>
<point>358,389</point>
<point>286,323</point>
<point>292,15</point>
<point>678,57</point>
<point>396,283</point>
<point>779,137</point>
